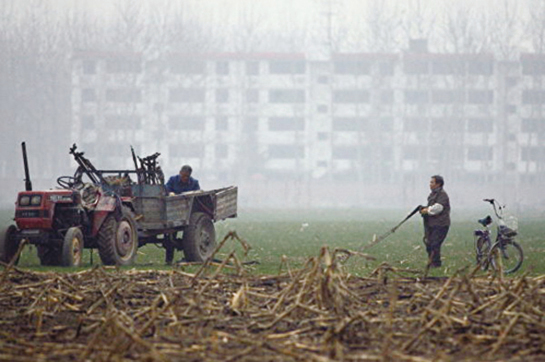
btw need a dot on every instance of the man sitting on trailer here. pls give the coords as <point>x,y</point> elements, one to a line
<point>183,182</point>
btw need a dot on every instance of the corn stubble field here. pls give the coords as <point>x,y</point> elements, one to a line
<point>293,301</point>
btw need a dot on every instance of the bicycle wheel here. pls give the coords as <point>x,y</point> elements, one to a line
<point>482,247</point>
<point>510,255</point>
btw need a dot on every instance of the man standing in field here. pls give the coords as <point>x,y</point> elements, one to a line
<point>183,182</point>
<point>436,220</point>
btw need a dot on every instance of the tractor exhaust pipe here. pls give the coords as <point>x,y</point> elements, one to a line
<point>28,183</point>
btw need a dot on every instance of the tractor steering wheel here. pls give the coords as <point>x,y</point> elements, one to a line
<point>66,182</point>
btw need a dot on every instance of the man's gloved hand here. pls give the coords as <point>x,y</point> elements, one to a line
<point>171,194</point>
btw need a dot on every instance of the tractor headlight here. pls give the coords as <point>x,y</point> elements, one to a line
<point>36,200</point>
<point>24,201</point>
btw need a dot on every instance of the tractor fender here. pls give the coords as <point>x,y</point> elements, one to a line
<point>105,206</point>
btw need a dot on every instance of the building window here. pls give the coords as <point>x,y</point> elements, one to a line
<point>416,66</point>
<point>533,97</point>
<point>511,82</point>
<point>88,122</point>
<point>386,97</point>
<point>89,67</point>
<point>348,124</point>
<point>323,79</point>
<point>352,67</point>
<point>480,67</point>
<point>222,124</point>
<point>480,125</point>
<point>186,150</point>
<point>250,124</point>
<point>386,124</point>
<point>286,151</point>
<point>286,96</point>
<point>445,124</point>
<point>187,67</point>
<point>222,68</point>
<point>252,96</point>
<point>322,136</point>
<point>386,154</point>
<point>123,122</point>
<point>123,66</point>
<point>447,97</point>
<point>183,123</point>
<point>351,96</point>
<point>532,154</point>
<point>479,153</point>
<point>416,97</point>
<point>286,124</point>
<point>88,95</point>
<point>187,95</point>
<point>412,152</point>
<point>344,153</point>
<point>480,97</point>
<point>533,125</point>
<point>447,67</point>
<point>286,67</point>
<point>322,108</point>
<point>222,151</point>
<point>252,68</point>
<point>386,68</point>
<point>418,124</point>
<point>533,67</point>
<point>222,95</point>
<point>124,95</point>
<point>510,108</point>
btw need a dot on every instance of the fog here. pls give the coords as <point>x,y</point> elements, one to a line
<point>301,103</point>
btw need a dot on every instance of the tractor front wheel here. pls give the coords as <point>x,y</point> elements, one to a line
<point>118,240</point>
<point>199,240</point>
<point>72,247</point>
<point>8,244</point>
<point>49,255</point>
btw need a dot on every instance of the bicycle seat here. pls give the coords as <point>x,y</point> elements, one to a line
<point>485,221</point>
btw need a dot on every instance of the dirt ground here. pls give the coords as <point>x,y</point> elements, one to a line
<point>316,313</point>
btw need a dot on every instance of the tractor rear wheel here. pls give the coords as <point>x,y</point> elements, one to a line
<point>118,240</point>
<point>72,247</point>
<point>199,240</point>
<point>8,245</point>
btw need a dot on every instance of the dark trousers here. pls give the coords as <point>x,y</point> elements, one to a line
<point>435,236</point>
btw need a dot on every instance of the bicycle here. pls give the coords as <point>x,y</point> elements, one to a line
<point>505,253</point>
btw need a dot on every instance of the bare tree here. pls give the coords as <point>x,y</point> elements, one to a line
<point>535,28</point>
<point>504,26</point>
<point>464,30</point>
<point>418,21</point>
<point>382,27</point>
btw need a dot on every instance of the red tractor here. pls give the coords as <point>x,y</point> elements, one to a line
<point>115,214</point>
<point>62,222</point>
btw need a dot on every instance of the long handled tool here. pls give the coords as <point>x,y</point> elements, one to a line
<point>348,253</point>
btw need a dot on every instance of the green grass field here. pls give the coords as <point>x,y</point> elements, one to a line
<point>299,234</point>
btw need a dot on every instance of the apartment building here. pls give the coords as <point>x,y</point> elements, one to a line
<point>371,126</point>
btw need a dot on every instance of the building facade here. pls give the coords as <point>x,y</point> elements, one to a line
<point>350,130</point>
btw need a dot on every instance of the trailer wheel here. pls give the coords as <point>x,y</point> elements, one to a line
<point>118,241</point>
<point>72,247</point>
<point>199,240</point>
<point>49,256</point>
<point>8,244</point>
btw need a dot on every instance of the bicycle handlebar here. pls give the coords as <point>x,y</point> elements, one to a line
<point>493,202</point>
